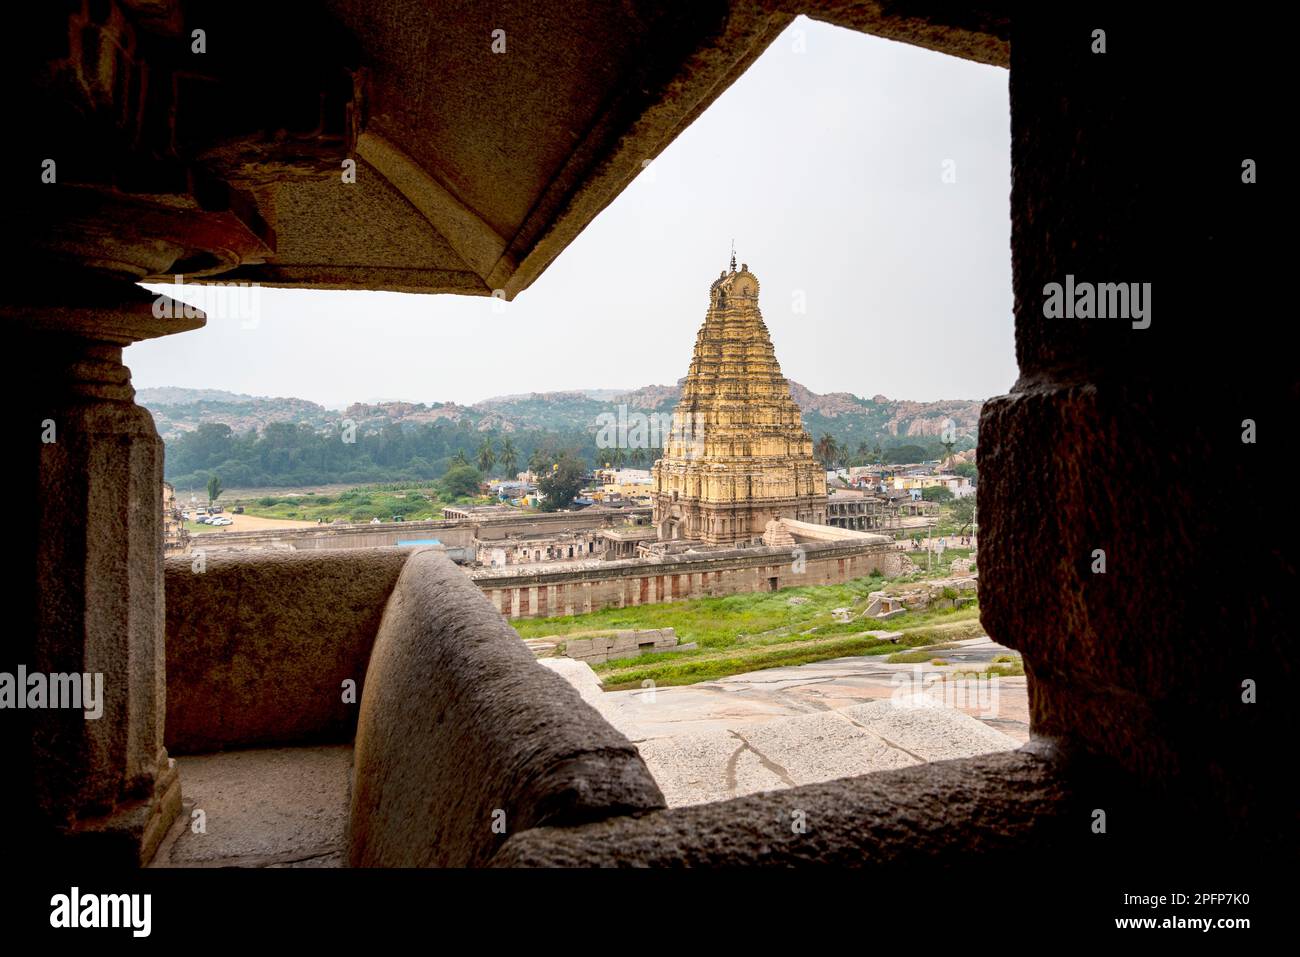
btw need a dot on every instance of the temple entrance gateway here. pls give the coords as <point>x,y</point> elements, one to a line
<point>738,455</point>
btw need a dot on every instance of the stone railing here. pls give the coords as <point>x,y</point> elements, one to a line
<point>464,739</point>
<point>461,738</point>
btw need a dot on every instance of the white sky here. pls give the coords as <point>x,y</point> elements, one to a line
<point>824,165</point>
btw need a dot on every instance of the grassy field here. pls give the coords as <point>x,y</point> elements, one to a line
<point>940,565</point>
<point>415,502</point>
<point>751,632</point>
<point>948,524</point>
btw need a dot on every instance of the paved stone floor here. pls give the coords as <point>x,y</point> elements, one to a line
<point>272,807</point>
<point>808,723</point>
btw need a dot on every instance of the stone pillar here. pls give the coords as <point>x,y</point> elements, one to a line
<point>85,593</point>
<point>1118,503</point>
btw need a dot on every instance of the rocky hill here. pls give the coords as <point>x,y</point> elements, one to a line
<point>850,418</point>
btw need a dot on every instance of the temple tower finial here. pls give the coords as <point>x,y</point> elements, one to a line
<point>733,255</point>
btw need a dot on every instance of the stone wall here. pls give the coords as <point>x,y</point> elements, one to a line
<point>453,534</point>
<point>598,647</point>
<point>619,584</point>
<point>259,644</point>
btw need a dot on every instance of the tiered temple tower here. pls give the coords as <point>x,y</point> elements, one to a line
<point>738,455</point>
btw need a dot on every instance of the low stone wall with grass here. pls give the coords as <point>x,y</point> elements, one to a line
<point>600,646</point>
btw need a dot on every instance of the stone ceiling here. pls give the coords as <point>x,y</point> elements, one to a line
<point>474,167</point>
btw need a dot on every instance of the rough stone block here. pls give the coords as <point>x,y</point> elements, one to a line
<point>260,643</point>
<point>578,647</point>
<point>461,729</point>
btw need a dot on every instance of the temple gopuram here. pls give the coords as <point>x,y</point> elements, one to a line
<point>738,456</point>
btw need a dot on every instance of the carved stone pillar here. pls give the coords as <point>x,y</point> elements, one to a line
<point>85,593</point>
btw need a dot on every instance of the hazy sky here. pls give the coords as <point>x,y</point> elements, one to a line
<point>826,166</point>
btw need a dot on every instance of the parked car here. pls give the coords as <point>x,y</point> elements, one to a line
<point>238,510</point>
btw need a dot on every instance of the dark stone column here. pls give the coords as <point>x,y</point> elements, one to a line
<point>1128,441</point>
<point>86,593</point>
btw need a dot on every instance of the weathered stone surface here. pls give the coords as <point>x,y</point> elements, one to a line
<point>539,648</point>
<point>707,766</point>
<point>84,591</point>
<point>825,745</point>
<point>276,807</point>
<point>1143,663</point>
<point>579,675</point>
<point>461,729</point>
<point>981,33</point>
<point>259,644</point>
<point>927,730</point>
<point>936,815</point>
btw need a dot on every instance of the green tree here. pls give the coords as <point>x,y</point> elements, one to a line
<point>486,455</point>
<point>863,453</point>
<point>461,480</point>
<point>963,513</point>
<point>826,450</point>
<point>902,454</point>
<point>966,470</point>
<point>937,493</point>
<point>544,456</point>
<point>214,488</point>
<point>509,457</point>
<point>562,483</point>
<point>459,458</point>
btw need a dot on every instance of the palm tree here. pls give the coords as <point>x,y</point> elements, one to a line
<point>459,458</point>
<point>826,449</point>
<point>863,453</point>
<point>947,447</point>
<point>486,454</point>
<point>509,456</point>
<point>636,457</point>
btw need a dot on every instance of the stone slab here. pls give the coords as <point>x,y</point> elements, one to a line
<point>263,807</point>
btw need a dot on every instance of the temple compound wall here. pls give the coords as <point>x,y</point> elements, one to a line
<point>459,534</point>
<point>542,593</point>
